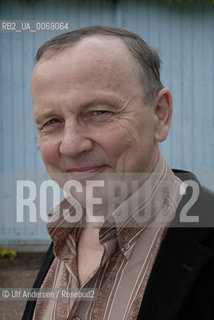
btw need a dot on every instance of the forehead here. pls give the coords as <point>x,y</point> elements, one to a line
<point>102,60</point>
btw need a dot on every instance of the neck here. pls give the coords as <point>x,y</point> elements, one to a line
<point>90,237</point>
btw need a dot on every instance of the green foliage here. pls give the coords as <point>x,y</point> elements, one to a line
<point>11,254</point>
<point>169,1</point>
<point>119,1</point>
<point>186,1</point>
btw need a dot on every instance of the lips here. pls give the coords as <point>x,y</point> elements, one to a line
<point>85,172</point>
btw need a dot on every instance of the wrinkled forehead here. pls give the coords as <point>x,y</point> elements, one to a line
<point>99,58</point>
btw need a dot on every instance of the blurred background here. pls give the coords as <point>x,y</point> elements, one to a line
<point>183,34</point>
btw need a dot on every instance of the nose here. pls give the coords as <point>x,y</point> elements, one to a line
<point>75,141</point>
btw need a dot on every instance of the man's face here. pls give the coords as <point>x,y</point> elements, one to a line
<point>89,111</point>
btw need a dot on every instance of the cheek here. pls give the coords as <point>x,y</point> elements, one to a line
<point>50,154</point>
<point>115,142</point>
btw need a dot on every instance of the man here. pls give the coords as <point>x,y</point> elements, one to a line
<point>100,111</point>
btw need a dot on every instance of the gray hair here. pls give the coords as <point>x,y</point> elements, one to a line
<point>146,58</point>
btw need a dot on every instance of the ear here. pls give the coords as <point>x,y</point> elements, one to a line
<point>163,114</point>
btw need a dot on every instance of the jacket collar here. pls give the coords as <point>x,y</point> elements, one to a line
<point>181,257</point>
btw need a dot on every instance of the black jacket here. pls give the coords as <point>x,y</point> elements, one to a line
<point>181,284</point>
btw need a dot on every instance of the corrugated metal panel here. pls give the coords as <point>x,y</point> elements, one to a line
<point>184,37</point>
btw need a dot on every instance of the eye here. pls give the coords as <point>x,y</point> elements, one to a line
<point>98,114</point>
<point>52,121</point>
<point>52,124</point>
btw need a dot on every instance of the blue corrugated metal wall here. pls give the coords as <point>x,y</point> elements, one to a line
<point>184,37</point>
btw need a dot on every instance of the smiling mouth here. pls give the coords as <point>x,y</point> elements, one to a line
<point>85,172</point>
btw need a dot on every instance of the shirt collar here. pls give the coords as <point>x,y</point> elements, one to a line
<point>141,208</point>
<point>138,213</point>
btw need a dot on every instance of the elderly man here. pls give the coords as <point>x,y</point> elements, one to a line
<point>100,111</point>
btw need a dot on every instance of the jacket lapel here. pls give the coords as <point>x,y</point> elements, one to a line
<point>179,262</point>
<point>29,308</point>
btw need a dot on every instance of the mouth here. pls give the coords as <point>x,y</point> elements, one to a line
<point>85,172</point>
